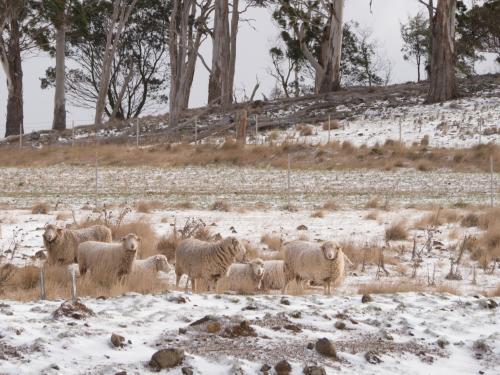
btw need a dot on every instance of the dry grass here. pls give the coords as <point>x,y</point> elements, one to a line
<point>318,214</point>
<point>167,244</point>
<point>184,205</point>
<point>424,166</point>
<point>489,218</point>
<point>146,206</point>
<point>304,129</point>
<point>437,218</point>
<point>493,293</point>
<point>391,287</point>
<point>470,220</point>
<point>40,208</point>
<point>396,231</point>
<point>369,254</point>
<point>221,205</point>
<point>336,156</point>
<point>23,285</point>
<point>334,125</point>
<point>372,215</point>
<point>486,247</point>
<point>61,216</point>
<point>373,202</point>
<point>272,241</point>
<point>331,205</point>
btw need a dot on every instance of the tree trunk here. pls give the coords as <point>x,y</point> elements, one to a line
<point>442,84</point>
<point>235,19</point>
<point>59,122</point>
<point>15,115</point>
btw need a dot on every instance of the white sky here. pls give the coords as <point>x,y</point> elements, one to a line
<point>252,60</point>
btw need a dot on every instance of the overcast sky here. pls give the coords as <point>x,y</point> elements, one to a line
<point>252,60</point>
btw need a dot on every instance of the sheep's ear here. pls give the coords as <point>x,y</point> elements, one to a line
<point>59,231</point>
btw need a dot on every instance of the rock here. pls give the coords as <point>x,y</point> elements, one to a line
<point>75,310</point>
<point>481,346</point>
<point>283,368</point>
<point>55,367</point>
<point>285,301</point>
<point>372,357</point>
<point>340,325</point>
<point>121,373</point>
<point>167,358</point>
<point>302,227</point>
<point>386,335</point>
<point>442,342</point>
<point>314,370</point>
<point>296,314</point>
<point>292,327</point>
<point>40,254</point>
<point>213,327</point>
<point>326,348</point>
<point>265,368</point>
<point>182,331</point>
<point>242,329</point>
<point>366,298</point>
<point>488,303</point>
<point>117,341</point>
<point>206,318</point>
<point>187,370</point>
<point>310,346</point>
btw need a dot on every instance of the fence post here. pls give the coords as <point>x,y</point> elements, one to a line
<point>196,131</point>
<point>74,296</point>
<point>20,137</point>
<point>288,179</point>
<point>137,133</point>
<point>42,284</point>
<point>400,133</point>
<point>329,127</point>
<point>256,129</point>
<point>491,180</point>
<point>73,133</point>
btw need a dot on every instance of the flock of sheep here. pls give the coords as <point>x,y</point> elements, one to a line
<point>216,265</point>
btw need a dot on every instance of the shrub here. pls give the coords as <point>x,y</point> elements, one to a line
<point>396,232</point>
<point>41,208</point>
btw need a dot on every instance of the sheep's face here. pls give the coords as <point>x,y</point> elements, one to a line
<point>162,263</point>
<point>131,242</point>
<point>330,250</point>
<point>51,233</point>
<point>258,268</point>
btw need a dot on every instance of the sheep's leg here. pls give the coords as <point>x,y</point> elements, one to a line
<point>193,285</point>
<point>327,287</point>
<point>177,279</point>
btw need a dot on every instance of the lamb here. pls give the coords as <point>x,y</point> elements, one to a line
<point>62,244</point>
<point>116,258</point>
<point>205,260</point>
<point>244,277</point>
<point>154,263</point>
<point>307,261</point>
<point>274,275</point>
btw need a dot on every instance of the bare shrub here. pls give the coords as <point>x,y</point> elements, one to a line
<point>396,231</point>
<point>334,124</point>
<point>304,129</point>
<point>372,215</point>
<point>146,206</point>
<point>221,205</point>
<point>374,202</point>
<point>424,166</point>
<point>272,241</point>
<point>470,220</point>
<point>331,205</point>
<point>40,208</point>
<point>318,214</point>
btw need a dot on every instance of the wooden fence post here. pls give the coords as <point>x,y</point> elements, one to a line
<point>42,284</point>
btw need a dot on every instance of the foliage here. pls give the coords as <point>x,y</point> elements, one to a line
<point>416,40</point>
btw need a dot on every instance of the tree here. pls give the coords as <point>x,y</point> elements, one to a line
<point>116,24</point>
<point>442,82</point>
<point>17,23</point>
<point>416,37</point>
<point>360,63</point>
<point>187,30</point>
<point>139,74</point>
<point>317,33</point>
<point>429,6</point>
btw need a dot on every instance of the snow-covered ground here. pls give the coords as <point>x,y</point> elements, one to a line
<point>408,333</point>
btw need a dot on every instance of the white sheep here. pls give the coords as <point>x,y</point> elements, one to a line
<point>154,263</point>
<point>308,261</point>
<point>274,275</point>
<point>244,277</point>
<point>62,244</point>
<point>205,260</point>
<point>115,258</point>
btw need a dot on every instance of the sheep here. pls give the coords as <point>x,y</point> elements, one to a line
<point>244,277</point>
<point>307,261</point>
<point>205,260</point>
<point>115,258</point>
<point>62,244</point>
<point>154,263</point>
<point>274,275</point>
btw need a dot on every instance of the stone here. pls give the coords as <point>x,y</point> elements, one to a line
<point>326,348</point>
<point>167,358</point>
<point>366,298</point>
<point>117,341</point>
<point>213,327</point>
<point>283,368</point>
<point>340,325</point>
<point>187,370</point>
<point>314,370</point>
<point>302,227</point>
<point>372,357</point>
<point>285,301</point>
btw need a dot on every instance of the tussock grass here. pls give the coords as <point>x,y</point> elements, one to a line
<point>272,241</point>
<point>318,214</point>
<point>331,205</point>
<point>221,205</point>
<point>146,206</point>
<point>337,156</point>
<point>41,208</point>
<point>396,231</point>
<point>470,220</point>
